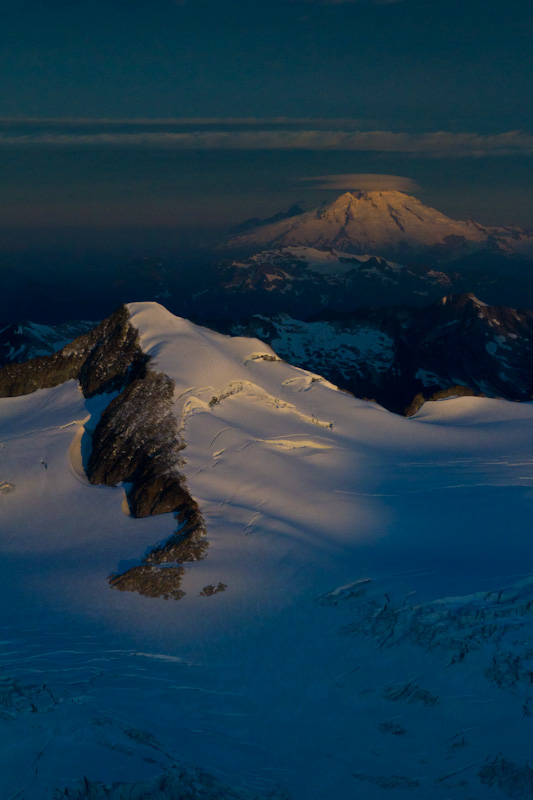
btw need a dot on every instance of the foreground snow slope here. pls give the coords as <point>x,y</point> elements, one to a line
<point>335,663</point>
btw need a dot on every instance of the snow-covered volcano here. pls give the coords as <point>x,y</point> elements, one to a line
<point>361,621</point>
<point>386,223</point>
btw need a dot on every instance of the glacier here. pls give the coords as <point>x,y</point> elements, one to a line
<point>373,636</point>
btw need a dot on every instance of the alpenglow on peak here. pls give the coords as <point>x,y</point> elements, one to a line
<point>389,223</point>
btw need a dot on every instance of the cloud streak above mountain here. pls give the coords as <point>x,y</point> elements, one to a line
<point>28,124</point>
<point>365,182</point>
<point>256,134</point>
<point>346,2</point>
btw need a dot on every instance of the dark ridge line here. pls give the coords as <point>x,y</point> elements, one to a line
<point>441,394</point>
<point>103,360</point>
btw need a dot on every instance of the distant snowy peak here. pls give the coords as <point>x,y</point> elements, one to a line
<point>387,223</point>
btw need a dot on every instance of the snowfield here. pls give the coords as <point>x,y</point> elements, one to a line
<point>375,632</point>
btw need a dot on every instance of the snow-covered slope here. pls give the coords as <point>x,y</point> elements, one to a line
<point>385,223</point>
<point>373,631</point>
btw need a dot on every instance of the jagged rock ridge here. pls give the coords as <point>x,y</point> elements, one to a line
<point>20,342</point>
<point>135,442</point>
<point>104,359</point>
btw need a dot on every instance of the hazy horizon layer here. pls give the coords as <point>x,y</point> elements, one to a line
<point>117,199</point>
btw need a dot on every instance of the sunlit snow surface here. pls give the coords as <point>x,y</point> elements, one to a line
<point>376,221</point>
<point>327,668</point>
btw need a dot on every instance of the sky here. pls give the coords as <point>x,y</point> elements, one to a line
<point>136,121</point>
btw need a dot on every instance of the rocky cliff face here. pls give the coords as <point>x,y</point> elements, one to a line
<point>20,342</point>
<point>104,359</point>
<point>135,442</point>
<point>161,572</point>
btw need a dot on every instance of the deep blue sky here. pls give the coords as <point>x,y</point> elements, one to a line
<point>417,64</point>
<point>398,72</point>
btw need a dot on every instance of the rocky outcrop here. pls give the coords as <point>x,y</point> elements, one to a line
<point>161,571</point>
<point>135,442</point>
<point>21,341</point>
<point>211,589</point>
<point>116,358</point>
<point>151,581</point>
<point>187,544</point>
<point>104,359</point>
<point>46,371</point>
<point>453,391</point>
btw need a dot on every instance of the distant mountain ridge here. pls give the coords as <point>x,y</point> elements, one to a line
<point>390,224</point>
<point>256,222</point>
<point>402,356</point>
<point>20,342</point>
<point>398,356</point>
<point>301,281</point>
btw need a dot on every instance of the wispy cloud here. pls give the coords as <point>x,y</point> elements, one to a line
<point>363,182</point>
<point>259,134</point>
<point>346,2</point>
<point>103,123</point>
